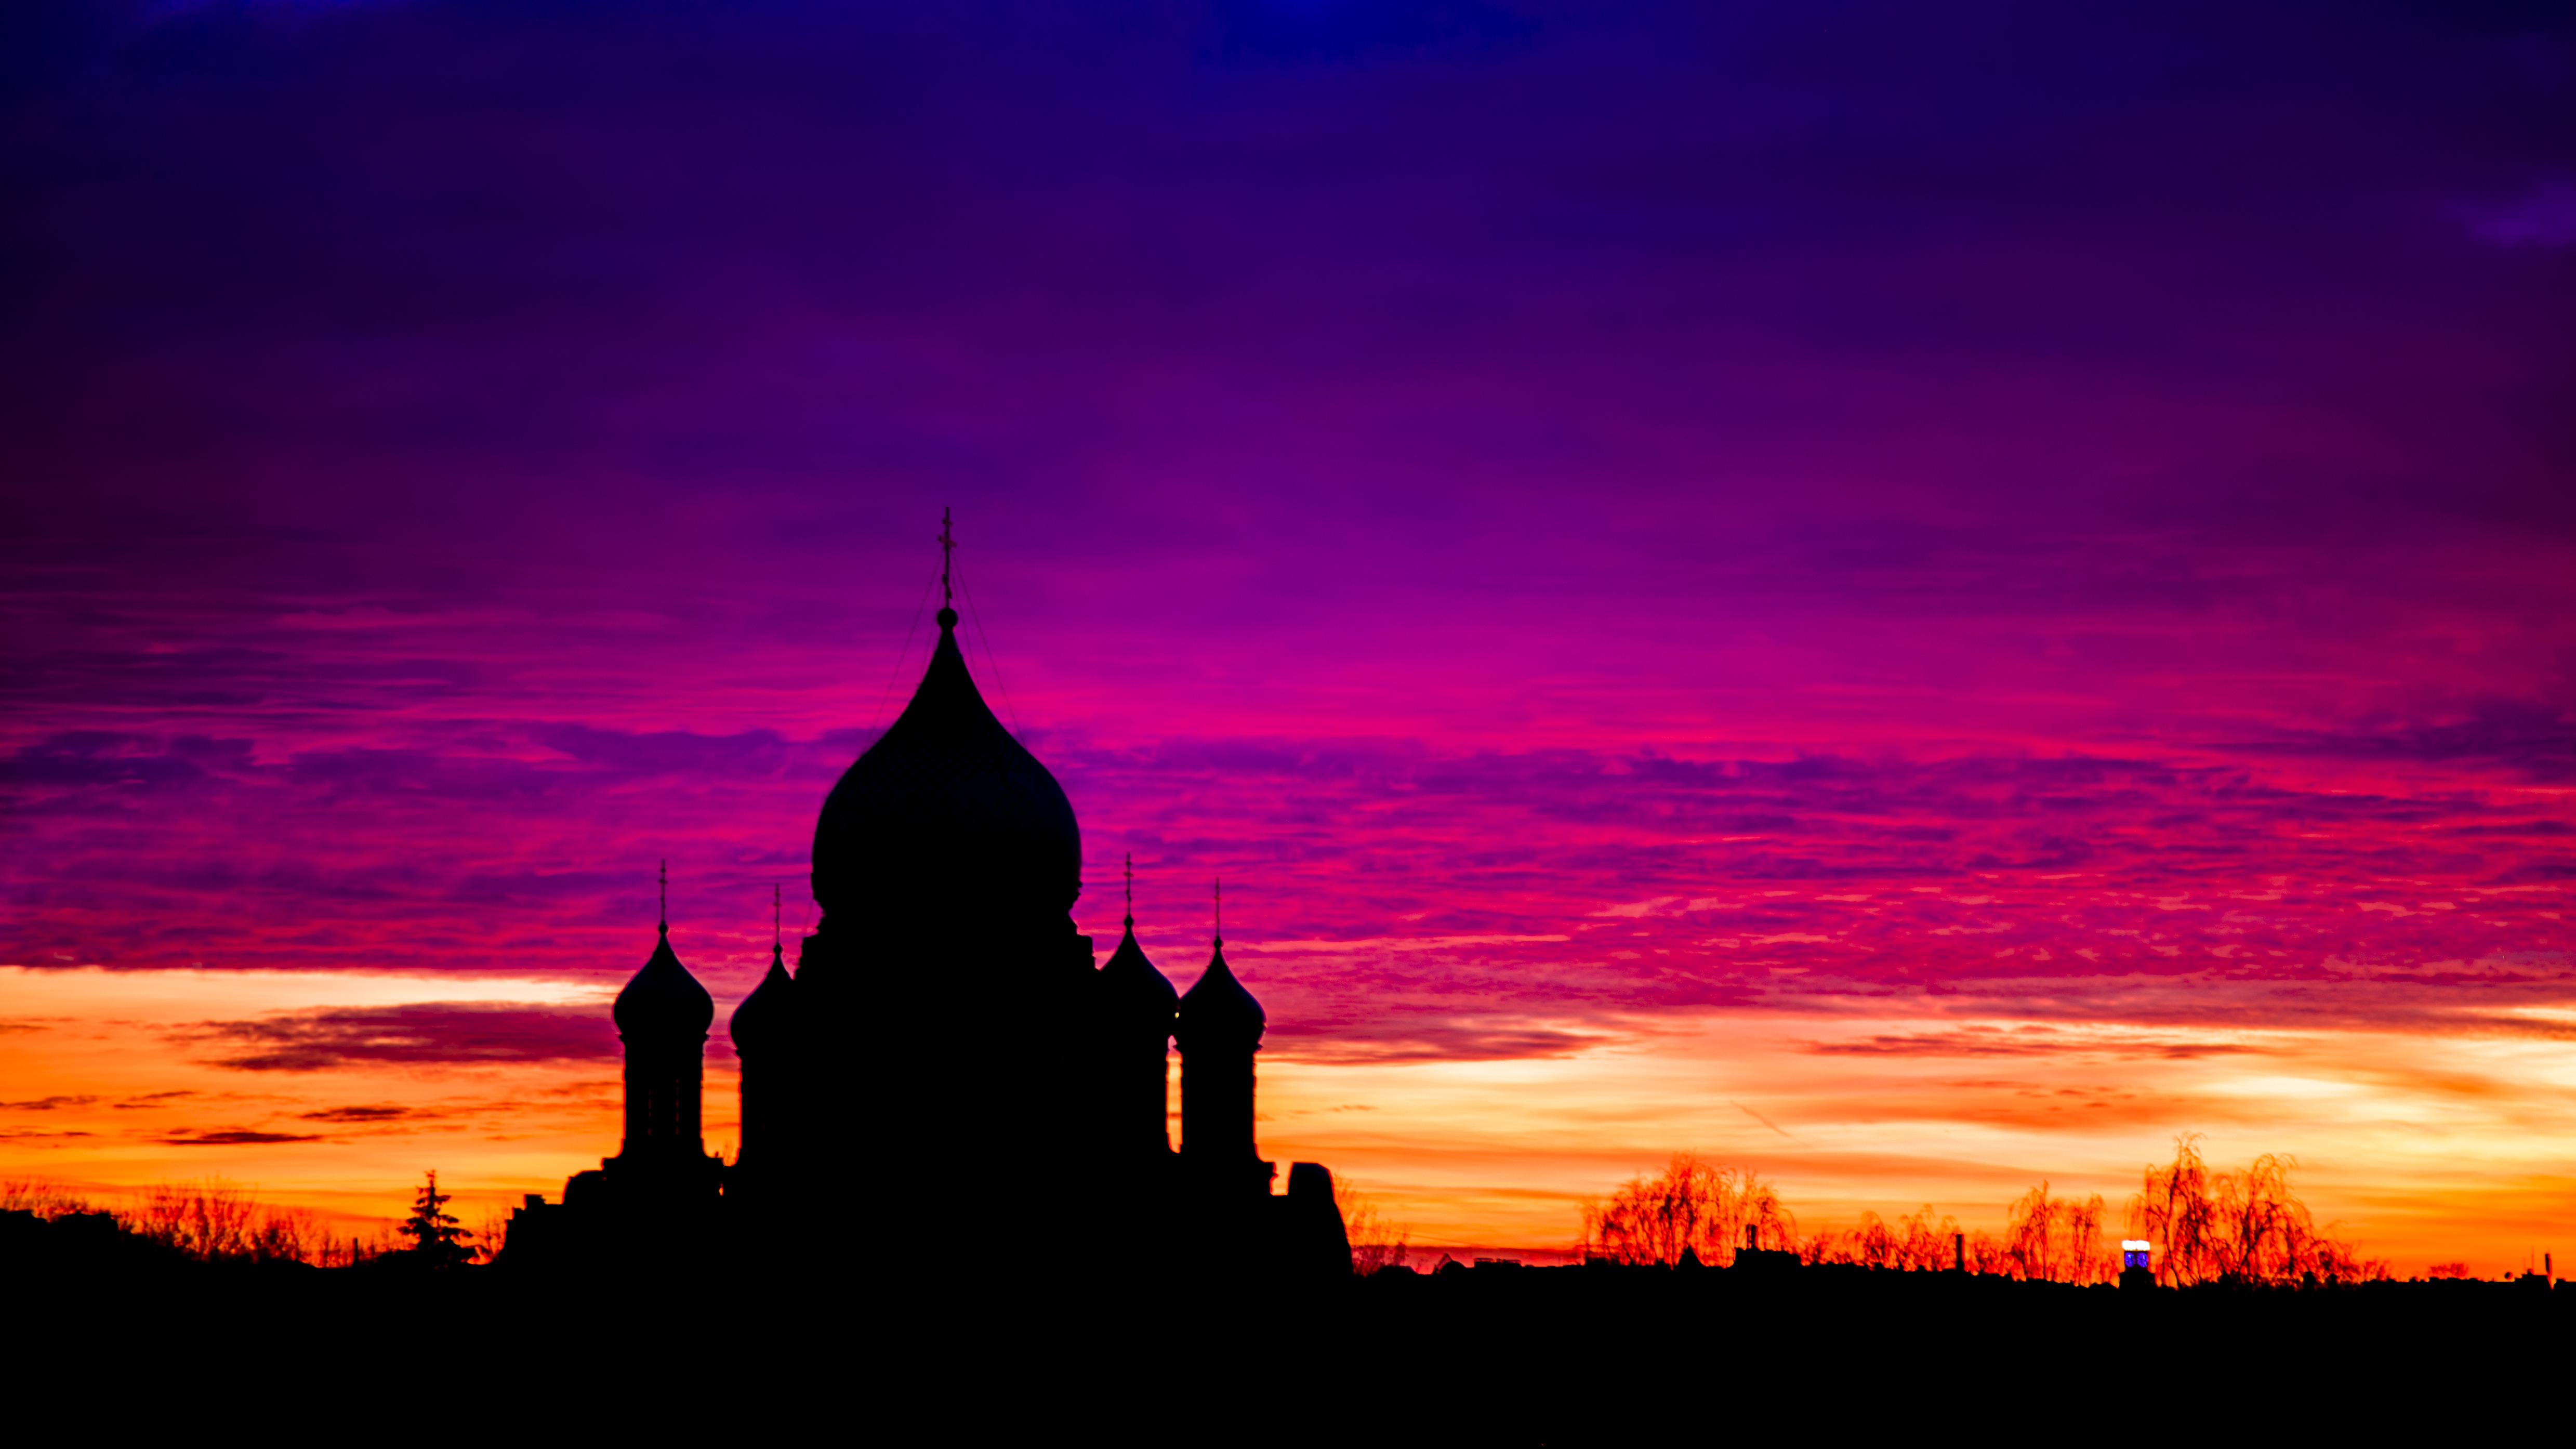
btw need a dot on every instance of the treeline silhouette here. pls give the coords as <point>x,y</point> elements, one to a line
<point>217,1222</point>
<point>1569,1355</point>
<point>2207,1226</point>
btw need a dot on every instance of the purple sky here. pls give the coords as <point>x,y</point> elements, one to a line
<point>1647,509</point>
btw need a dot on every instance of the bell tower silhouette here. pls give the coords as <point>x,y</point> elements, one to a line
<point>1220,1028</point>
<point>1138,1011</point>
<point>764,1038</point>
<point>662,1018</point>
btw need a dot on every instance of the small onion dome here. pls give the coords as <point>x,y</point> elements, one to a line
<point>664,999</point>
<point>946,801</point>
<point>1134,993</point>
<point>761,1017</point>
<point>1217,1010</point>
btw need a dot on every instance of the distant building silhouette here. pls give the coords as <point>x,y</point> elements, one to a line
<point>946,1039</point>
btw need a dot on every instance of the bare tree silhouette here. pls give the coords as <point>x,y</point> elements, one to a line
<point>1925,1243</point>
<point>209,1221</point>
<point>2059,1240</point>
<point>1690,1207</point>
<point>47,1200</point>
<point>1375,1242</point>
<point>1915,1242</point>
<point>2247,1228</point>
<point>214,1221</point>
<point>492,1236</point>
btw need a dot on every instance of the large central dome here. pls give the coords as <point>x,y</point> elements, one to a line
<point>947,804</point>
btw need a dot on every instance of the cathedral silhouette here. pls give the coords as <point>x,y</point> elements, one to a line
<point>946,1072</point>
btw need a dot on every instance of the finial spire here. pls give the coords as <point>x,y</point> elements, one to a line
<point>947,550</point>
<point>1220,910</point>
<point>1131,890</point>
<point>777,935</point>
<point>663,911</point>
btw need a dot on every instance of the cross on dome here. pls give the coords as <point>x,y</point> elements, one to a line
<point>947,555</point>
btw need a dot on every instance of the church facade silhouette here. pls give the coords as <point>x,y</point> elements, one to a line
<point>946,1070</point>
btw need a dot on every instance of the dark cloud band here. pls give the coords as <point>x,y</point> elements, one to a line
<point>430,1034</point>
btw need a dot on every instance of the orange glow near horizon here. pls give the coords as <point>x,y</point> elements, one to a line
<point>112,1087</point>
<point>2425,1146</point>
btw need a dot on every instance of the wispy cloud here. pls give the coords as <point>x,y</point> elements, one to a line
<point>429,1034</point>
<point>2030,1041</point>
<point>232,1137</point>
<point>379,1113</point>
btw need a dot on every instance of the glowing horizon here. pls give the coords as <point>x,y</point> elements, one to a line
<point>1486,1154</point>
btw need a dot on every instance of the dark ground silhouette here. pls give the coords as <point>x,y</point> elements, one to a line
<point>1211,1354</point>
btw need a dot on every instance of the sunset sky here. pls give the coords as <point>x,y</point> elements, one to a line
<point>1919,598</point>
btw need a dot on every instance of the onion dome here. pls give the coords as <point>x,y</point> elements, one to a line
<point>945,801</point>
<point>663,999</point>
<point>1217,1009</point>
<point>1134,993</point>
<point>760,1019</point>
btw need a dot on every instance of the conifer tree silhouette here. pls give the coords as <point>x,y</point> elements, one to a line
<point>438,1238</point>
